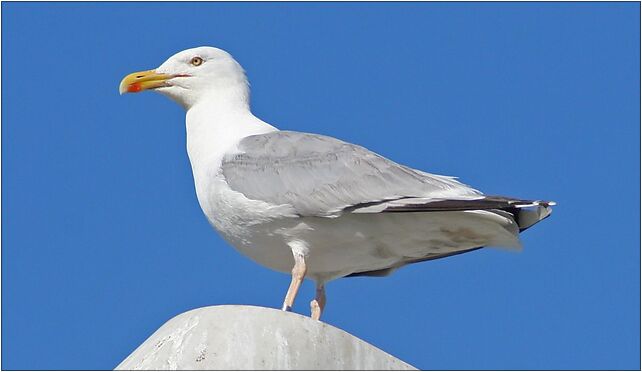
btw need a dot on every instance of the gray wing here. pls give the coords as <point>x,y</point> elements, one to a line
<point>322,176</point>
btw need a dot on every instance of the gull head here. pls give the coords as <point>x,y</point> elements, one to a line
<point>193,75</point>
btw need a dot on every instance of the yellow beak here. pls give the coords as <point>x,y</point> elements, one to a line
<point>143,80</point>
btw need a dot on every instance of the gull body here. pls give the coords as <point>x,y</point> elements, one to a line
<point>314,205</point>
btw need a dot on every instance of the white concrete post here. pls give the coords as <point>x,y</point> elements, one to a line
<point>248,337</point>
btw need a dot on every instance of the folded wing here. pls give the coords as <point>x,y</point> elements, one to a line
<point>323,176</point>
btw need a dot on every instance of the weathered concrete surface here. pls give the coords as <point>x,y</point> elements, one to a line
<point>247,337</point>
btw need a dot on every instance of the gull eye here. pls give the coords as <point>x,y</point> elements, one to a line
<point>196,61</point>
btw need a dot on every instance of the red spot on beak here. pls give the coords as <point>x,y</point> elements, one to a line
<point>134,88</point>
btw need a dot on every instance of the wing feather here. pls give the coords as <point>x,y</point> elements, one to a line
<point>322,176</point>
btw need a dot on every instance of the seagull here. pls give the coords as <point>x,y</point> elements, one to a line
<point>313,205</point>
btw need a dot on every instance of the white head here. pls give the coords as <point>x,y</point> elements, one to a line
<point>203,74</point>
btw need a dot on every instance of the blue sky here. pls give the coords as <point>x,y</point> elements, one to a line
<point>103,239</point>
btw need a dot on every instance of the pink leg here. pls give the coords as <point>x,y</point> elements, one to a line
<point>317,305</point>
<point>298,273</point>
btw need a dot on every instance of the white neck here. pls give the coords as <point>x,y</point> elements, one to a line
<point>214,127</point>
